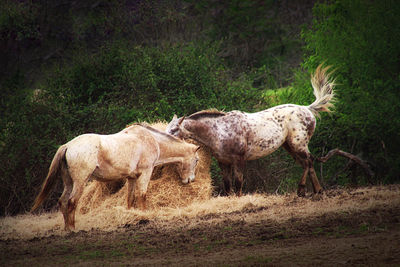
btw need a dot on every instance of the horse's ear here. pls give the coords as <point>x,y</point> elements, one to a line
<point>175,117</point>
<point>181,120</point>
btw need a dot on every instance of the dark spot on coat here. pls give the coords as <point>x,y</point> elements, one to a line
<point>311,128</point>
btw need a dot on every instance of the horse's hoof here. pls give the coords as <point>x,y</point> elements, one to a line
<point>317,196</point>
<point>301,191</point>
<point>301,194</point>
<point>228,194</point>
<point>318,192</point>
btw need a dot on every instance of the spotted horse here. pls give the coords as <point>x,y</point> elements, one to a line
<point>236,137</point>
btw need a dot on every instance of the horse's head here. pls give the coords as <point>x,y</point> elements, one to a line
<point>176,128</point>
<point>189,163</point>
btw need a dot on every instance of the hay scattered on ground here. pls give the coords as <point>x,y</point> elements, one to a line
<point>255,208</point>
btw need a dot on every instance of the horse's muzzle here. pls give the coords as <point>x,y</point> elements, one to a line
<point>188,180</point>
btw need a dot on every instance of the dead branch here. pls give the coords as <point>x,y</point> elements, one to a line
<point>350,156</point>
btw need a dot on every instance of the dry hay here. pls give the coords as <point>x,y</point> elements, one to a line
<point>248,209</point>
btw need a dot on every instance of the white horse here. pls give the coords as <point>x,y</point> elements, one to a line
<point>236,136</point>
<point>129,154</point>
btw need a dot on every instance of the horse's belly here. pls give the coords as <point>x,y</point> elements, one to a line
<point>262,149</point>
<point>108,173</point>
<point>264,142</point>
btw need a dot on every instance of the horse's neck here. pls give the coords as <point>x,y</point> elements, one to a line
<point>201,131</point>
<point>171,152</point>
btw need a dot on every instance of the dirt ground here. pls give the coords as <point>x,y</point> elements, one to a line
<point>367,234</point>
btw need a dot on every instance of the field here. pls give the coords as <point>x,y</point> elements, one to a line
<point>359,226</point>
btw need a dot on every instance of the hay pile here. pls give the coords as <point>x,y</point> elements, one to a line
<point>165,188</point>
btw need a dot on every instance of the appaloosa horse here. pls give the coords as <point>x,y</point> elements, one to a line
<point>129,154</point>
<point>236,136</point>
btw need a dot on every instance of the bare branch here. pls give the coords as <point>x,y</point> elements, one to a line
<point>350,156</point>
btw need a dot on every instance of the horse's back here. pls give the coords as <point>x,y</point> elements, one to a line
<point>128,149</point>
<point>272,127</point>
<point>83,147</point>
<point>284,116</point>
<point>114,155</point>
<point>297,121</point>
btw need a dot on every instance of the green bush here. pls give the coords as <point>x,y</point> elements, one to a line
<point>361,40</point>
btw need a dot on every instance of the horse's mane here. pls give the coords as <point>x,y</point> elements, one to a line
<point>154,130</point>
<point>207,113</point>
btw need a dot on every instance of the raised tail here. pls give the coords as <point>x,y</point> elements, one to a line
<point>323,90</point>
<point>51,177</point>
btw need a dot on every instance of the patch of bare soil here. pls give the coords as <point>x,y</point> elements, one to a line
<point>342,227</point>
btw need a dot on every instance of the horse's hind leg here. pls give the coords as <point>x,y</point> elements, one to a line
<point>63,200</point>
<point>301,192</point>
<point>72,203</point>
<point>79,177</point>
<point>303,156</point>
<point>314,179</point>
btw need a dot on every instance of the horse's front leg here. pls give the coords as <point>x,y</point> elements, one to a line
<point>131,187</point>
<point>140,189</point>
<point>226,170</point>
<point>238,168</point>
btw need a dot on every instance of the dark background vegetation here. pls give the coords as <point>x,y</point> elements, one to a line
<point>72,67</point>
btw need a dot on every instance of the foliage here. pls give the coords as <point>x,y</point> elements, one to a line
<point>360,39</point>
<point>256,33</point>
<point>149,83</point>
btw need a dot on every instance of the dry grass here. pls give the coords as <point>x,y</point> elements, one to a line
<point>249,208</point>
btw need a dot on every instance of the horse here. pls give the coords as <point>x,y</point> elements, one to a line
<point>130,154</point>
<point>235,137</point>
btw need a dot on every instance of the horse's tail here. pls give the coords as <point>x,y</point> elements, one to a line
<point>48,184</point>
<point>323,90</point>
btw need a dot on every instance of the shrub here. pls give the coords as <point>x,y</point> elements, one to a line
<point>360,39</point>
